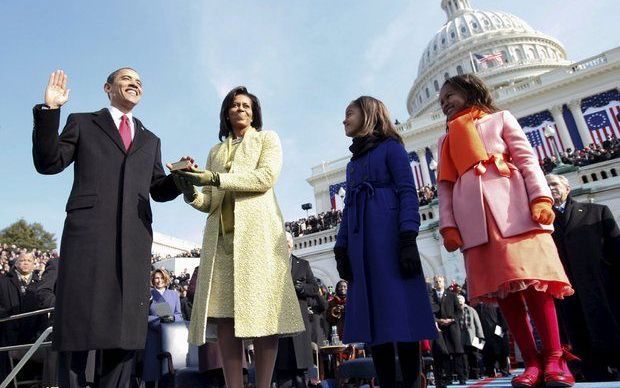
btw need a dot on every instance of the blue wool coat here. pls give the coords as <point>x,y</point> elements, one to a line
<point>381,201</point>
<point>152,366</point>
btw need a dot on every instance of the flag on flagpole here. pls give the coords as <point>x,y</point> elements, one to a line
<point>485,59</point>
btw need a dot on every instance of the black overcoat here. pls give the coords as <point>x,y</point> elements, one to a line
<point>103,275</point>
<point>490,317</point>
<point>13,301</point>
<point>448,307</point>
<point>296,352</point>
<point>588,241</point>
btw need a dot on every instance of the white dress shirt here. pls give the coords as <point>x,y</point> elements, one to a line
<point>117,115</point>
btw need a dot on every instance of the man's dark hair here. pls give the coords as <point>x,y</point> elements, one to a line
<point>113,74</point>
<point>257,116</point>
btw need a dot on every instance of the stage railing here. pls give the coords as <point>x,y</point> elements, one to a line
<point>32,348</point>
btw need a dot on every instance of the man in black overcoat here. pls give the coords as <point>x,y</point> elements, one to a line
<point>18,295</point>
<point>448,352</point>
<point>496,346</point>
<point>588,241</point>
<point>295,353</point>
<point>103,275</point>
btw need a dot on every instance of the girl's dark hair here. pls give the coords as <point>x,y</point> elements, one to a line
<point>474,90</point>
<point>376,118</point>
<point>257,116</point>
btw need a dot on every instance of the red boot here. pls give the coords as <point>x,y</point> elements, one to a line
<point>531,377</point>
<point>557,373</point>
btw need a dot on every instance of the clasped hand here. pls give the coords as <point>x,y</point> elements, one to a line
<point>196,177</point>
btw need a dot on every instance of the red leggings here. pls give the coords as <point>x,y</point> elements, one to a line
<point>542,311</point>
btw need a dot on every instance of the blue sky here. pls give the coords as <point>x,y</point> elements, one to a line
<point>304,59</point>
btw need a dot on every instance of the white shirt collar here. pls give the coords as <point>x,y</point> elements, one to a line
<point>562,207</point>
<point>117,115</point>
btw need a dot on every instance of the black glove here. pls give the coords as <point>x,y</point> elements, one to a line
<point>409,258</point>
<point>342,264</point>
<point>299,288</point>
<point>166,319</point>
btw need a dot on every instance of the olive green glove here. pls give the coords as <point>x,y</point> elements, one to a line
<point>185,186</point>
<point>199,177</point>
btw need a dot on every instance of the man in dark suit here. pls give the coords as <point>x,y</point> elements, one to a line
<point>496,346</point>
<point>448,352</point>
<point>103,275</point>
<point>588,241</point>
<point>295,353</point>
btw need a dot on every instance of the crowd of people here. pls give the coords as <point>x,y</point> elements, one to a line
<point>9,253</point>
<point>313,224</point>
<point>593,153</point>
<point>191,253</point>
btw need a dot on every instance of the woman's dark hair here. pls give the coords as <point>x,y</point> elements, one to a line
<point>474,90</point>
<point>376,118</point>
<point>257,116</point>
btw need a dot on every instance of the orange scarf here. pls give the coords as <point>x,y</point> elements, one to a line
<point>462,148</point>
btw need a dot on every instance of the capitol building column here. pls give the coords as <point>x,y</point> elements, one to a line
<point>556,112</point>
<point>426,176</point>
<point>582,127</point>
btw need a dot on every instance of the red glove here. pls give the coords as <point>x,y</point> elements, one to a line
<point>451,239</point>
<point>541,210</point>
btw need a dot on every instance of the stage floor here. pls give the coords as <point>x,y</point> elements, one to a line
<point>504,382</point>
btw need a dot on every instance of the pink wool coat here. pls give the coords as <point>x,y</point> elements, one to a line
<point>461,204</point>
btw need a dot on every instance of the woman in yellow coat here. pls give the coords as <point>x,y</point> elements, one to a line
<point>244,281</point>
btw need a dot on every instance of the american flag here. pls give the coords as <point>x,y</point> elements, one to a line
<point>604,123</point>
<point>542,145</point>
<point>484,58</point>
<point>534,126</point>
<point>337,202</point>
<point>414,161</point>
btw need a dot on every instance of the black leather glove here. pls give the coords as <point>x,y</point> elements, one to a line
<point>299,288</point>
<point>166,319</point>
<point>342,264</point>
<point>409,258</point>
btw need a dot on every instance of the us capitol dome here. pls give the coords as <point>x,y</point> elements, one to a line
<point>470,36</point>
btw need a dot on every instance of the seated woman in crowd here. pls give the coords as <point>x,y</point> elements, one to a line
<point>160,294</point>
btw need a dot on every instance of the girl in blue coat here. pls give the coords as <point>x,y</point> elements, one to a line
<point>376,249</point>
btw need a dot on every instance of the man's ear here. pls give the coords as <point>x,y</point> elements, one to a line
<point>107,88</point>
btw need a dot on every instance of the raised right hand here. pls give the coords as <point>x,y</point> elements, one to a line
<point>56,92</point>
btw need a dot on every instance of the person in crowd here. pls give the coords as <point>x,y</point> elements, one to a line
<point>496,346</point>
<point>448,352</point>
<point>245,284</point>
<point>46,290</point>
<point>111,183</point>
<point>160,294</point>
<point>317,308</point>
<point>376,250</point>
<point>588,241</point>
<point>18,295</point>
<point>295,353</point>
<point>495,205</point>
<point>336,308</point>
<point>186,305</point>
<point>472,337</point>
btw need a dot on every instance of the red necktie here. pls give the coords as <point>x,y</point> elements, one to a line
<point>125,131</point>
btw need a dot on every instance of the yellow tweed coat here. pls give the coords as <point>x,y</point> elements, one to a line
<point>264,297</point>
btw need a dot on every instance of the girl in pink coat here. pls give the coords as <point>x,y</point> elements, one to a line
<point>495,205</point>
